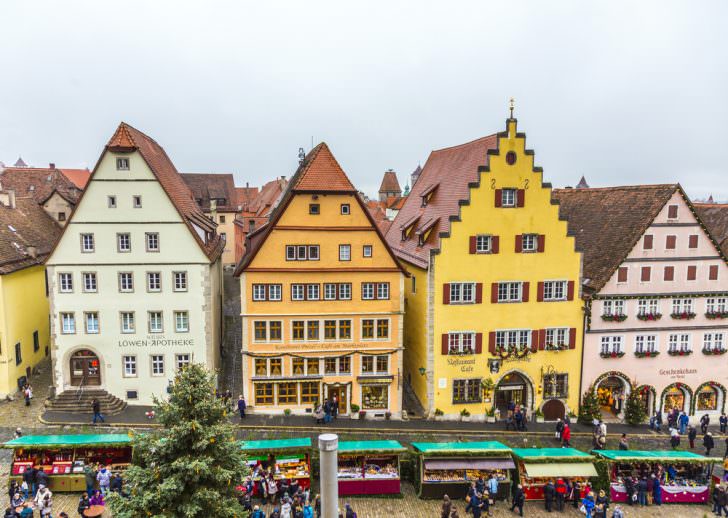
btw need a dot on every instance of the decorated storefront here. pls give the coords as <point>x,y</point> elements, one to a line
<point>538,466</point>
<point>288,459</point>
<point>64,457</point>
<point>448,468</point>
<point>369,467</point>
<point>685,476</point>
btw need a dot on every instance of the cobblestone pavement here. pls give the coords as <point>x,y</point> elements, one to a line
<point>15,413</point>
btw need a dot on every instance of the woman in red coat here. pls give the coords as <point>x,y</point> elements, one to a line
<point>566,436</point>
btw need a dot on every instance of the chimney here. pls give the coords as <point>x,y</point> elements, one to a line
<point>32,251</point>
<point>51,165</point>
<point>213,210</point>
<point>11,198</point>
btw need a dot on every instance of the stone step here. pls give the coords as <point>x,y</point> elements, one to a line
<point>70,401</point>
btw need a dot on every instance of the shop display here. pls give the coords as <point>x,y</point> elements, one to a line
<point>707,400</point>
<point>538,466</point>
<point>369,467</point>
<point>283,458</point>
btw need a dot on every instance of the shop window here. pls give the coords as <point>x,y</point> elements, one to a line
<point>287,393</point>
<point>466,391</point>
<point>309,392</point>
<point>674,398</point>
<point>707,399</point>
<point>556,386</point>
<point>264,394</point>
<point>374,397</point>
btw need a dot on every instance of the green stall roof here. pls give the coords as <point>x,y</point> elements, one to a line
<point>654,456</point>
<point>484,447</point>
<point>544,454</point>
<point>277,444</point>
<point>370,446</point>
<point>69,441</point>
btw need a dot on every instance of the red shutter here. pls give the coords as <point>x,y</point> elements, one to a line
<point>473,240</point>
<point>572,338</point>
<point>494,292</point>
<point>693,241</point>
<point>534,340</point>
<point>519,243</point>
<point>520,198</point>
<point>539,292</point>
<point>622,274</point>
<point>524,293</point>
<point>499,197</point>
<point>647,245</point>
<point>570,290</point>
<point>446,293</point>
<point>670,242</point>
<point>491,342</point>
<point>478,343</point>
<point>494,244</point>
<point>713,272</point>
<point>669,273</point>
<point>445,344</point>
<point>542,338</point>
<point>692,272</point>
<point>478,292</point>
<point>645,274</point>
<point>541,242</point>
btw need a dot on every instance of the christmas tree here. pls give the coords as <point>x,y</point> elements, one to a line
<point>589,409</point>
<point>189,468</point>
<point>634,409</point>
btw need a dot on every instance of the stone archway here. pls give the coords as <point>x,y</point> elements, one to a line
<point>676,395</point>
<point>514,387</point>
<point>85,368</point>
<point>553,409</point>
<point>612,389</point>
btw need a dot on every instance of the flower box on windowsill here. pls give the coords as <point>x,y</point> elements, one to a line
<point>456,352</point>
<point>714,352</point>
<point>553,347</point>
<point>614,318</point>
<point>646,354</point>
<point>712,315</point>
<point>612,355</point>
<point>649,316</point>
<point>679,353</point>
<point>683,316</point>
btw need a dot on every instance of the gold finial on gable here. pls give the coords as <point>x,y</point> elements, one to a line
<point>512,105</point>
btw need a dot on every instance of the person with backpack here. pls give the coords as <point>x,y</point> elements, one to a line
<point>257,513</point>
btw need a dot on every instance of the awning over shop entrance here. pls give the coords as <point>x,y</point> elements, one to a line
<point>560,469</point>
<point>469,464</point>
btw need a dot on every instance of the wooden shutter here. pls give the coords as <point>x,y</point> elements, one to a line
<point>494,244</point>
<point>478,292</point>
<point>670,242</point>
<point>542,338</point>
<point>524,291</point>
<point>692,272</point>
<point>570,290</point>
<point>473,244</point>
<point>445,344</point>
<point>519,243</point>
<point>541,242</point>
<point>478,343</point>
<point>520,197</point>
<point>648,242</point>
<point>572,338</point>
<point>669,273</point>
<point>713,272</point>
<point>494,292</point>
<point>645,273</point>
<point>499,197</point>
<point>622,274</point>
<point>539,292</point>
<point>534,340</point>
<point>446,293</point>
<point>491,342</point>
<point>672,211</point>
<point>693,241</point>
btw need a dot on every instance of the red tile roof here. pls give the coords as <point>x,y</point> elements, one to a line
<point>39,183</point>
<point>27,225</point>
<point>213,186</point>
<point>79,177</point>
<point>244,196</point>
<point>715,217</point>
<point>321,172</point>
<point>390,182</point>
<point>454,168</point>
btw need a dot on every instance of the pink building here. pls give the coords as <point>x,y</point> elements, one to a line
<point>656,291</point>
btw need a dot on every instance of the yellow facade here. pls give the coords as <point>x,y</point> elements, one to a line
<point>283,372</point>
<point>24,321</point>
<point>531,374</point>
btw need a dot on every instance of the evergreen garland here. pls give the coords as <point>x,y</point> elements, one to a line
<point>589,409</point>
<point>189,468</point>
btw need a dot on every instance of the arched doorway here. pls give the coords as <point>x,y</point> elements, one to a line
<point>647,396</point>
<point>85,368</point>
<point>553,409</point>
<point>612,393</point>
<point>512,388</point>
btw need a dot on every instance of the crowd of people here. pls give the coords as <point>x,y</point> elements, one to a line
<point>679,426</point>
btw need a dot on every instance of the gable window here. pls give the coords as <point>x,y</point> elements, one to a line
<point>155,322</point>
<point>508,197</point>
<point>613,308</point>
<point>87,243</point>
<point>122,164</point>
<point>713,272</point>
<point>670,242</point>
<point>462,293</point>
<point>123,242</point>
<point>693,241</point>
<point>672,212</point>
<point>466,391</point>
<point>65,282</point>
<point>678,343</point>
<point>530,242</point>
<point>137,201</point>
<point>554,290</point>
<point>483,244</point>
<point>275,292</point>
<point>367,250</point>
<point>345,209</point>
<point>647,242</point>
<point>126,282</point>
<point>692,272</point>
<point>152,239</point>
<point>344,252</point>
<point>462,342</point>
<point>622,274</point>
<point>648,307</point>
<point>510,291</point>
<point>111,201</point>
<point>713,342</point>
<point>611,345</point>
<point>154,281</point>
<point>181,321</point>
<point>68,323</point>
<point>298,291</point>
<point>61,216</point>
<point>89,282</point>
<point>180,281</point>
<point>127,322</point>
<point>314,209</point>
<point>302,252</point>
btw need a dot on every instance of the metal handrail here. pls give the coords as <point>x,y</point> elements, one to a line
<point>79,390</point>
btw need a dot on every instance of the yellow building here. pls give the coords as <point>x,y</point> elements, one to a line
<point>494,287</point>
<point>322,300</point>
<point>27,235</point>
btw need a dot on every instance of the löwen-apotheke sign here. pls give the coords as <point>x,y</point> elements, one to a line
<point>157,341</point>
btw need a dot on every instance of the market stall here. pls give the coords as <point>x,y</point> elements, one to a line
<point>536,466</point>
<point>685,476</point>
<point>369,467</point>
<point>286,458</point>
<point>63,457</point>
<point>450,467</point>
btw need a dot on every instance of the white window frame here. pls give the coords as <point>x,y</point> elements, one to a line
<point>313,291</point>
<point>679,342</point>
<point>155,287</point>
<point>375,365</point>
<point>259,292</point>
<point>90,282</point>
<point>182,360</point>
<point>180,280</point>
<point>368,290</point>
<point>330,291</point>
<point>95,316</point>
<point>123,242</point>
<point>122,163</point>
<point>88,243</point>
<point>613,307</point>
<point>461,342</point>
<point>344,291</point>
<point>124,286</point>
<point>345,209</point>
<point>157,364</point>
<point>184,318</point>
<point>716,305</point>
<point>128,322</point>
<point>555,290</point>
<point>682,305</point>
<point>344,252</point>
<point>129,362</point>
<point>648,307</point>
<point>298,292</point>
<point>382,291</point>
<point>68,323</point>
<point>612,344</point>
<point>155,322</point>
<point>483,244</point>
<point>714,341</point>
<point>508,197</point>
<point>152,238</point>
<point>316,255</point>
<point>65,282</point>
<point>367,251</point>
<point>557,338</point>
<point>462,292</point>
<point>529,242</point>
<point>275,292</point>
<point>645,343</point>
<point>510,291</point>
<point>518,338</point>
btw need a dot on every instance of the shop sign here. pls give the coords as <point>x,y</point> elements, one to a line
<point>465,365</point>
<point>514,359</point>
<point>156,341</point>
<point>324,346</point>
<point>677,373</point>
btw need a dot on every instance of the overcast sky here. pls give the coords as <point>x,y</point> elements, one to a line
<point>621,92</point>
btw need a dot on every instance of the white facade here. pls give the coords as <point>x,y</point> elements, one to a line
<point>143,297</point>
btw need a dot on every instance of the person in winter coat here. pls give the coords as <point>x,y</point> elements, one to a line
<point>97,499</point>
<point>575,495</point>
<point>83,504</point>
<point>307,511</point>
<point>656,491</point>
<point>602,503</point>
<point>349,512</point>
<point>618,513</point>
<point>704,422</point>
<point>682,422</point>
<point>549,493</point>
<point>692,435</point>
<point>446,507</point>
<point>560,488</point>
<point>476,505</point>
<point>674,438</point>
<point>44,501</point>
<point>629,487</point>
<point>566,436</point>
<point>272,488</point>
<point>41,478</point>
<point>241,406</point>
<point>493,487</point>
<point>559,429</point>
<point>89,475</point>
<point>257,513</point>
<point>723,422</point>
<point>286,508</point>
<point>642,491</point>
<point>104,478</point>
<point>17,500</point>
<point>623,442</point>
<point>709,443</point>
<point>588,504</point>
<point>518,499</point>
<point>29,478</point>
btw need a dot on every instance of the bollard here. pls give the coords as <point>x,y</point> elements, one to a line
<point>328,446</point>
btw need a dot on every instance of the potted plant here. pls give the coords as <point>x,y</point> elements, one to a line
<point>287,412</point>
<point>538,414</point>
<point>387,415</point>
<point>646,354</point>
<point>614,318</point>
<point>710,352</point>
<point>490,415</point>
<point>354,411</point>
<point>362,414</point>
<point>438,414</point>
<point>649,316</point>
<point>712,315</point>
<point>464,415</point>
<point>685,315</point>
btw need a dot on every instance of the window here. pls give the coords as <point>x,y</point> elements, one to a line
<point>275,331</point>
<point>670,242</point>
<point>89,282</point>
<point>612,308</point>
<point>611,345</point>
<point>314,209</point>
<point>707,399</point>
<point>130,366</point>
<point>122,164</point>
<point>309,392</point>
<point>126,282</point>
<point>672,211</point>
<point>645,344</point>
<point>87,243</point>
<point>123,242</point>
<point>513,339</point>
<point>274,292</point>
<point>509,291</point>
<point>313,252</point>
<point>61,216</point>
<point>155,322</point>
<point>414,284</point>
<point>461,342</point>
<point>557,338</point>
<point>152,239</point>
<point>692,272</point>
<point>622,274</point>
<point>345,365</point>
<point>264,394</point>
<point>298,291</point>
<point>65,282</point>
<point>367,291</point>
<point>137,201</point>
<point>302,252</point>
<point>555,290</point>
<point>36,341</point>
<point>329,329</point>
<point>287,393</point>
<point>508,198</point>
<point>344,252</point>
<point>529,242</point>
<point>276,367</point>
<point>68,323</point>
<point>713,272</point>
<point>716,305</point>
<point>344,329</point>
<point>382,329</point>
<point>92,323</point>
<point>556,386</point>
<point>382,290</point>
<point>18,354</point>
<point>483,244</point>
<point>693,241</point>
<point>375,364</point>
<point>154,281</point>
<point>157,365</point>
<point>713,342</point>
<point>329,291</point>
<point>648,307</point>
<point>367,250</point>
<point>345,209</point>
<point>678,343</point>
<point>648,242</point>
<point>313,291</point>
<point>367,329</point>
<point>462,292</point>
<point>182,360</point>
<point>682,306</point>
<point>127,322</point>
<point>466,391</point>
<point>261,367</point>
<point>645,273</point>
<point>298,366</point>
<point>669,273</point>
<point>111,201</point>
<point>312,330</point>
<point>181,321</point>
<point>259,291</point>
<point>330,365</point>
<point>180,281</point>
<point>297,329</point>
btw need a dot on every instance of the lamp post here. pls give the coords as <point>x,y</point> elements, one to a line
<point>328,446</point>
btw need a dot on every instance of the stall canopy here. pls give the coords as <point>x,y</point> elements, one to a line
<point>371,447</point>
<point>555,462</point>
<point>655,456</point>
<point>482,448</point>
<point>68,441</point>
<point>277,444</point>
<point>560,469</point>
<point>469,464</point>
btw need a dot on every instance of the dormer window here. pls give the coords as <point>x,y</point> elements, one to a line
<point>426,194</point>
<point>122,164</point>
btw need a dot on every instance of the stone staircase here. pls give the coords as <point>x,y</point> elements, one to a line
<point>71,401</point>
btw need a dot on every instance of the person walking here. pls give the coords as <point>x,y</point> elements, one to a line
<point>618,512</point>
<point>559,429</point>
<point>692,435</point>
<point>575,495</point>
<point>642,492</point>
<point>587,505</point>
<point>549,493</point>
<point>709,443</point>
<point>518,499</point>
<point>272,487</point>
<point>623,442</point>
<point>29,480</point>
<point>334,407</point>
<point>28,393</point>
<point>472,491</point>
<point>723,422</point>
<point>682,422</point>
<point>566,436</point>
<point>257,513</point>
<point>44,501</point>
<point>560,489</point>
<point>656,490</point>
<point>493,487</point>
<point>674,438</point>
<point>89,475</point>
<point>104,479</point>
<point>96,408</point>
<point>704,422</point>
<point>241,406</point>
<point>446,507</point>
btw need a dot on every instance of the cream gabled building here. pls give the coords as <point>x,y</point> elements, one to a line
<point>135,279</point>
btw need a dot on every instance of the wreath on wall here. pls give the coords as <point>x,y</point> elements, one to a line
<point>512,351</point>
